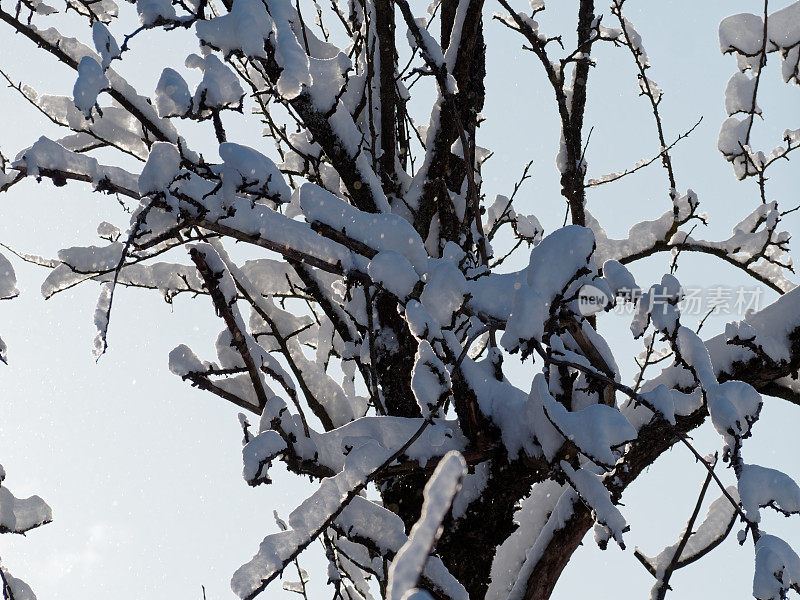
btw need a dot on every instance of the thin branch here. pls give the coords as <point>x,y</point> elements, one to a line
<point>597,181</point>
<point>663,585</point>
<point>224,310</point>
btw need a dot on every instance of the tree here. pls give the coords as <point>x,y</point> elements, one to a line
<point>381,317</point>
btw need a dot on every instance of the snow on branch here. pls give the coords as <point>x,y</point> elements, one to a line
<point>410,560</point>
<point>693,543</point>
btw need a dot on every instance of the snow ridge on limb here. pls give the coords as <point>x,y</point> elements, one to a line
<point>367,523</point>
<point>309,520</point>
<point>718,522</point>
<point>365,460</point>
<point>50,159</point>
<point>378,232</point>
<point>410,560</point>
<point>693,544</point>
<point>315,514</point>
<point>590,488</point>
<point>519,550</point>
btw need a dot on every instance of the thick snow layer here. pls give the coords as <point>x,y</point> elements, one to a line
<point>523,425</point>
<point>282,232</point>
<point>532,517</point>
<point>739,94</point>
<point>289,54</point>
<point>340,406</point>
<point>430,380</point>
<point>92,258</point>
<point>328,78</point>
<point>351,138</point>
<point>319,384</point>
<point>430,47</point>
<point>244,29</point>
<point>494,295</point>
<point>595,430</point>
<point>247,170</point>
<point>378,231</point>
<point>696,354</point>
<point>558,266</point>
<point>619,279</point>
<point>772,325</point>
<point>365,520</point>
<point>172,94</point>
<point>445,291</point>
<point>391,432</point>
<point>8,279</point>
<point>91,81</point>
<point>261,449</point>
<point>783,34</point>
<point>733,406</point>
<point>556,260</point>
<point>47,154</point>
<point>274,551</point>
<point>220,87</point>
<point>105,43</point>
<point>644,234</point>
<point>77,50</point>
<point>152,12</point>
<point>19,590</point>
<point>753,237</point>
<point>472,488</point>
<point>162,166</point>
<point>559,515</point>
<point>409,562</point>
<point>661,399</point>
<point>18,515</point>
<point>783,26</point>
<point>394,273</point>
<point>591,489</point>
<point>732,136</point>
<point>116,125</point>
<point>420,322</point>
<point>777,568</point>
<point>760,486</point>
<point>742,33</point>
<point>183,361</point>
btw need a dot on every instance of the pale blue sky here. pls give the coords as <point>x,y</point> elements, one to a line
<point>143,472</point>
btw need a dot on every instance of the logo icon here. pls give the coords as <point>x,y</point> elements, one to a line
<point>591,300</point>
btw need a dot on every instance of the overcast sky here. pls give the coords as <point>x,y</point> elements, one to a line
<point>144,472</point>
